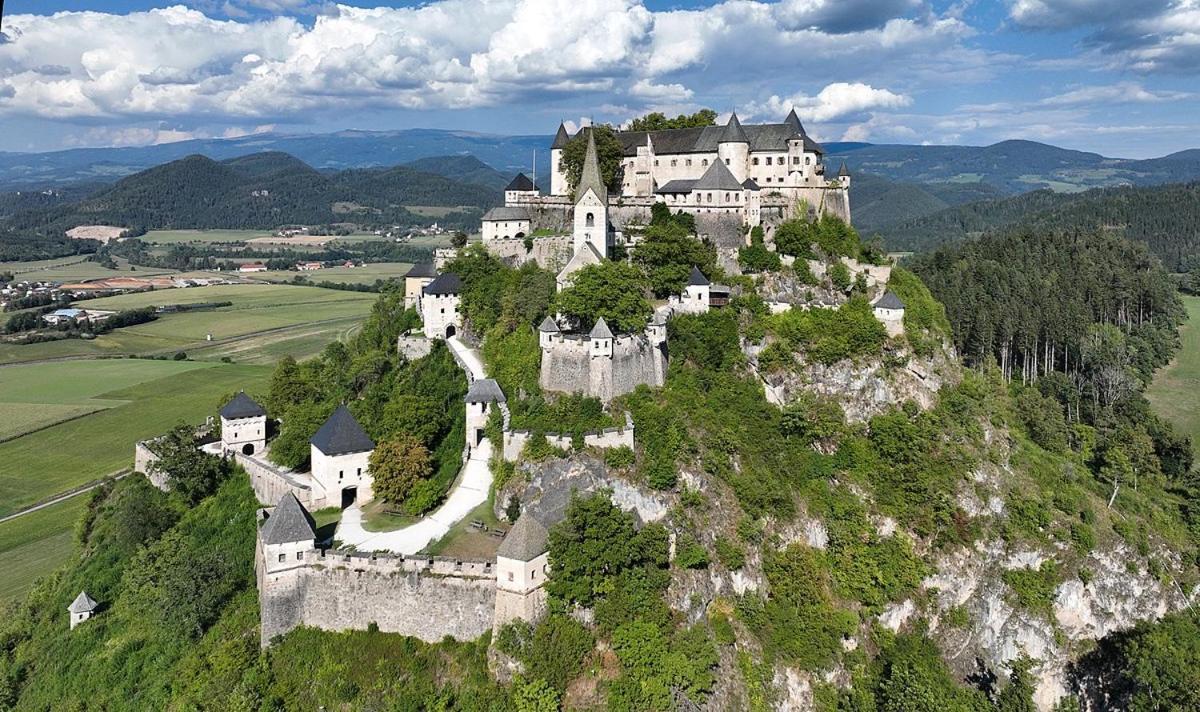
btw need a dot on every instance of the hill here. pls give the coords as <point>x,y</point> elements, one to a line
<point>1166,217</point>
<point>465,169</point>
<point>259,191</point>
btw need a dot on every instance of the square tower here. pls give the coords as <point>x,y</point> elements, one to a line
<point>522,566</point>
<point>340,452</point>
<point>243,426</point>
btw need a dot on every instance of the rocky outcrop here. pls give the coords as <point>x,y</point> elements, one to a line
<point>545,488</point>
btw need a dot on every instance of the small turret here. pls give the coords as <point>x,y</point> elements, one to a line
<point>243,426</point>
<point>558,177</point>
<point>81,609</point>
<point>601,340</point>
<point>844,175</point>
<point>733,133</point>
<point>733,148</point>
<point>547,332</point>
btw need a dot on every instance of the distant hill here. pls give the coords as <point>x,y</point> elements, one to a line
<point>877,202</point>
<point>1166,217</point>
<point>465,169</point>
<point>262,190</point>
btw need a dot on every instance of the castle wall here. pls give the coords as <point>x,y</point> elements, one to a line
<point>270,483</point>
<point>568,367</point>
<point>143,461</point>
<point>550,253</point>
<point>503,230</point>
<point>515,440</point>
<point>414,347</point>
<point>425,597</point>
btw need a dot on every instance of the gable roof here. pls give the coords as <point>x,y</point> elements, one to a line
<point>733,132</point>
<point>761,137</point>
<point>717,177</point>
<point>445,283</point>
<point>590,178</point>
<point>601,330</point>
<point>697,278</point>
<point>241,406</point>
<point>561,138</point>
<point>520,182</point>
<point>549,325</point>
<point>83,603</point>
<point>889,301</point>
<point>749,184</point>
<point>506,213</point>
<point>289,523</point>
<point>526,541</point>
<point>679,185</point>
<point>341,434</point>
<point>421,269</point>
<point>583,257</point>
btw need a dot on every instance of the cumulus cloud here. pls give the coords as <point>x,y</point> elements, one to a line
<point>449,54</point>
<point>1146,36</point>
<point>1121,93</point>
<point>833,102</point>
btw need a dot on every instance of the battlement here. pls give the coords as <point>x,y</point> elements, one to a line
<point>389,564</point>
<point>603,439</point>
<point>576,363</point>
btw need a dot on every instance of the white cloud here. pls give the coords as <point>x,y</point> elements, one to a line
<point>176,62</point>
<point>833,102</point>
<point>1122,93</point>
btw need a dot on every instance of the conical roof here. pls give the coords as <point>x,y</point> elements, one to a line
<point>843,171</point>
<point>241,406</point>
<point>484,390</point>
<point>601,330</point>
<point>526,541</point>
<point>549,325</point>
<point>793,121</point>
<point>289,523</point>
<point>590,178</point>
<point>561,138</point>
<point>83,603</point>
<point>341,434</point>
<point>733,133</point>
<point>697,278</point>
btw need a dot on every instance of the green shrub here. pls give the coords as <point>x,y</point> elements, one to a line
<point>730,553</point>
<point>619,457</point>
<point>558,649</point>
<point>839,276</point>
<point>830,335</point>
<point>689,553</point>
<point>1034,588</point>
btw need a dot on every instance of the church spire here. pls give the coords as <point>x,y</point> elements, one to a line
<point>590,177</point>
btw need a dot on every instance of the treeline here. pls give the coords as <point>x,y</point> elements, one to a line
<point>209,257</point>
<point>273,189</point>
<point>1165,217</point>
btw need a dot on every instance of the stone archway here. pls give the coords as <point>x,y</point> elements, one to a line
<point>248,449</point>
<point>450,331</point>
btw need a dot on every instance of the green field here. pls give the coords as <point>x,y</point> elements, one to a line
<point>268,314</point>
<point>74,269</point>
<point>1175,392</point>
<point>144,398</point>
<point>364,274</point>
<point>35,544</point>
<point>168,237</point>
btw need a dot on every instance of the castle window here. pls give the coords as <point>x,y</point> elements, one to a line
<point>299,556</point>
<point>704,162</point>
<point>359,473</point>
<point>768,160</point>
<point>590,220</point>
<point>674,162</point>
<point>808,160</point>
<point>656,162</point>
<point>727,161</point>
<point>282,558</point>
<point>687,162</point>
<point>754,161</point>
<point>510,576</point>
<point>796,160</point>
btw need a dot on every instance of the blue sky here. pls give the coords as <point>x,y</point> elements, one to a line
<point>1111,76</point>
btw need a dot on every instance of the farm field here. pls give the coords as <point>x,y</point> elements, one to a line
<point>257,308</point>
<point>170,237</point>
<point>1175,387</point>
<point>75,268</point>
<point>144,398</point>
<point>365,274</point>
<point>34,545</point>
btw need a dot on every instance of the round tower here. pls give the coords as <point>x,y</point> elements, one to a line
<point>733,147</point>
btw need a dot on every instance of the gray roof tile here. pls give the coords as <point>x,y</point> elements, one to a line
<point>505,213</point>
<point>889,301</point>
<point>289,523</point>
<point>520,182</point>
<point>561,138</point>
<point>590,178</point>
<point>421,269</point>
<point>549,325</point>
<point>601,330</point>
<point>697,278</point>
<point>241,406</point>
<point>446,283</point>
<point>485,390</point>
<point>83,603</point>
<point>526,541</point>
<point>717,177</point>
<point>341,434</point>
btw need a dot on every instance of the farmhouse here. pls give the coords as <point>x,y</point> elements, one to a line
<point>252,267</point>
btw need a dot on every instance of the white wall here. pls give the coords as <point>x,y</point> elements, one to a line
<point>239,432</point>
<point>504,229</point>
<point>334,473</point>
<point>439,311</point>
<point>522,576</point>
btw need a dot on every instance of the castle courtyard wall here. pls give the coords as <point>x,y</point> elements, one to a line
<point>550,253</point>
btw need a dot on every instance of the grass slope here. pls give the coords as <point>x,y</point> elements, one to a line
<point>34,544</point>
<point>55,459</point>
<point>1174,390</point>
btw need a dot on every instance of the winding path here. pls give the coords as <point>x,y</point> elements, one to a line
<point>469,491</point>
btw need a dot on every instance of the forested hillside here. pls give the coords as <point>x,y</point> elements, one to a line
<point>1166,218</point>
<point>262,191</point>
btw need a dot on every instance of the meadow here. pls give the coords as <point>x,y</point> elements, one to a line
<point>1174,390</point>
<point>137,399</point>
<point>363,274</point>
<point>75,268</point>
<point>292,320</point>
<point>170,237</point>
<point>33,545</point>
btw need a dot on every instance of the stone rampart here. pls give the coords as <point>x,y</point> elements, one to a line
<point>414,346</point>
<point>143,462</point>
<point>424,597</point>
<point>550,253</point>
<point>515,440</point>
<point>568,366</point>
<point>270,482</point>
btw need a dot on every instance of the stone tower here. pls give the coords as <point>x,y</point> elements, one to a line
<point>558,177</point>
<point>591,204</point>
<point>243,426</point>
<point>480,398</point>
<point>285,539</point>
<point>733,148</point>
<point>81,609</point>
<point>340,454</point>
<point>522,565</point>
